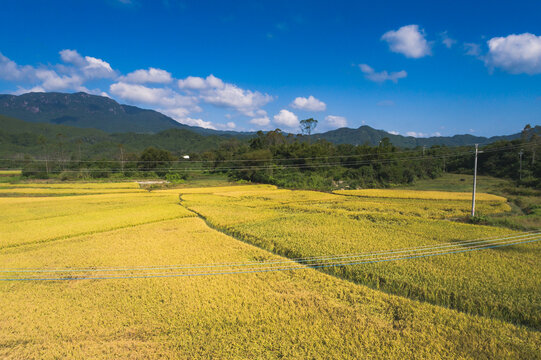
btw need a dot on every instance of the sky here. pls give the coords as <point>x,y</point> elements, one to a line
<point>415,68</point>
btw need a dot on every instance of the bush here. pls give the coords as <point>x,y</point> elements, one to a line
<point>176,177</point>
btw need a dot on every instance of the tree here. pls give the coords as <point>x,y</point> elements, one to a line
<point>60,137</point>
<point>43,142</point>
<point>526,132</point>
<point>307,126</point>
<point>153,159</point>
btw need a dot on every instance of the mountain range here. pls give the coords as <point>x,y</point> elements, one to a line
<point>83,110</point>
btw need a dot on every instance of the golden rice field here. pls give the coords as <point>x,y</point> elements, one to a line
<point>306,313</point>
<point>417,194</point>
<point>503,282</point>
<point>10,172</point>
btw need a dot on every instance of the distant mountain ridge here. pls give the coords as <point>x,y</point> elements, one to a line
<point>368,135</point>
<point>99,112</point>
<point>88,111</point>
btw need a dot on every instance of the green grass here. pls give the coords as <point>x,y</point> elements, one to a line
<point>460,183</point>
<point>525,203</point>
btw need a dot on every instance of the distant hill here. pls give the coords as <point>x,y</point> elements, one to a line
<point>367,135</point>
<point>18,137</point>
<point>98,112</point>
<point>89,111</point>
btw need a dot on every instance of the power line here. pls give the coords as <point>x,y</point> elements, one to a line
<point>280,159</point>
<point>273,166</point>
<point>304,260</point>
<point>286,268</point>
<point>520,235</point>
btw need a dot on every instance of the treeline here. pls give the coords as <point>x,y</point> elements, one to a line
<point>516,159</point>
<point>292,161</point>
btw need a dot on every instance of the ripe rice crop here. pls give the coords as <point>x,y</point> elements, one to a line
<point>301,314</point>
<point>33,220</point>
<point>10,172</point>
<point>500,283</point>
<point>418,194</point>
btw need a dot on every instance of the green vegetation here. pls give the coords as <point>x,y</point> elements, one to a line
<point>24,140</point>
<point>525,202</point>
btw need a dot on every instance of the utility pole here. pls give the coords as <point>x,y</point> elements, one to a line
<point>121,157</point>
<point>520,168</point>
<point>424,147</point>
<point>474,181</point>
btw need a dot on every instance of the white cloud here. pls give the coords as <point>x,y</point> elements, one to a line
<point>175,113</point>
<point>22,90</point>
<point>181,115</point>
<point>416,134</point>
<point>310,104</point>
<point>75,70</point>
<point>197,122</point>
<point>97,68</point>
<point>213,90</point>
<point>51,81</point>
<point>261,121</point>
<point>336,121</point>
<point>91,67</point>
<point>227,126</point>
<point>437,133</point>
<point>9,70</point>
<point>63,78</point>
<point>198,83</point>
<point>244,101</point>
<point>393,132</point>
<point>286,118</point>
<point>152,75</point>
<point>515,54</point>
<point>472,49</point>
<point>372,75</point>
<point>409,40</point>
<point>446,40</point>
<point>72,57</point>
<point>163,97</point>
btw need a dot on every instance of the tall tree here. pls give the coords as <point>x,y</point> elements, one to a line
<point>308,126</point>
<point>43,142</point>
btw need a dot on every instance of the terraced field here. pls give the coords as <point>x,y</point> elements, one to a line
<point>153,300</point>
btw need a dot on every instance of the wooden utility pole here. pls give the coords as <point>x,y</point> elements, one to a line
<point>474,181</point>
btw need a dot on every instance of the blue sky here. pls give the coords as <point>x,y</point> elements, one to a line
<point>415,68</point>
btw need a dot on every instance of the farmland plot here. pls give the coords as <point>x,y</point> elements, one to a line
<point>276,314</point>
<point>502,282</point>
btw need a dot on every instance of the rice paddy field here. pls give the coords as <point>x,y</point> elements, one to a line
<point>240,272</point>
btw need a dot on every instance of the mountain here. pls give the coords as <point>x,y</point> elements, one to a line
<point>98,112</point>
<point>368,135</point>
<point>18,137</point>
<point>89,111</point>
